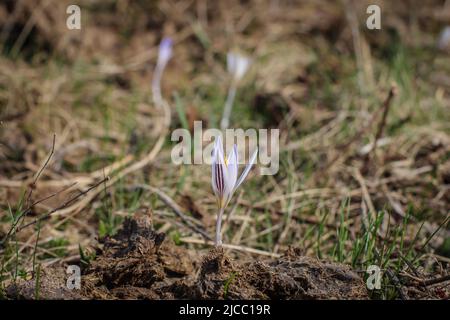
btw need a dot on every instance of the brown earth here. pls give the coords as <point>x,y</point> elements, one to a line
<point>139,263</point>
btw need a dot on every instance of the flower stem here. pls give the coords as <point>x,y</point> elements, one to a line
<point>156,85</point>
<point>218,228</point>
<point>228,107</point>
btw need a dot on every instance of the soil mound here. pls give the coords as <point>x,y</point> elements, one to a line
<point>139,263</point>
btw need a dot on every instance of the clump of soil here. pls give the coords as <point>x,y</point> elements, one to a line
<point>139,263</point>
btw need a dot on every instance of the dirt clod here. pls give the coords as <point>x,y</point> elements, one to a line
<point>139,263</point>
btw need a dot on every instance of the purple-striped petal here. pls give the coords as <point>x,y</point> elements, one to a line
<point>219,173</point>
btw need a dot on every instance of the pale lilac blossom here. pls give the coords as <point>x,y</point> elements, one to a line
<point>224,178</point>
<point>237,66</point>
<point>444,39</point>
<point>164,55</point>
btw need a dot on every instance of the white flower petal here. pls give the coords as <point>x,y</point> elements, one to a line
<point>231,63</point>
<point>243,64</point>
<point>247,169</point>
<point>444,38</point>
<point>237,65</point>
<point>213,170</point>
<point>232,172</point>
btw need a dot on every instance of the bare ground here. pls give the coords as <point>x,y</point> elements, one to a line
<point>139,263</point>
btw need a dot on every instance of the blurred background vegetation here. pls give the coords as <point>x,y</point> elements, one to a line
<point>319,75</point>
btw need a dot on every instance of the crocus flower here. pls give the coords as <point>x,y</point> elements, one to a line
<point>165,51</point>
<point>444,39</point>
<point>224,179</point>
<point>164,55</point>
<point>237,65</point>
